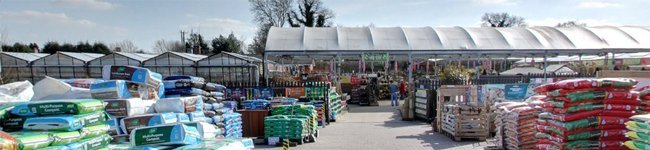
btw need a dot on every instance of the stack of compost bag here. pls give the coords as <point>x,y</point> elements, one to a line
<point>211,110</point>
<point>585,113</point>
<point>127,91</point>
<point>293,127</point>
<point>233,125</point>
<point>639,134</point>
<point>516,123</point>
<point>59,124</point>
<point>303,110</point>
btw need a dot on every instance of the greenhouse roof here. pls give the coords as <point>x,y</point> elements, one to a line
<point>82,56</point>
<point>244,57</point>
<point>189,56</point>
<point>137,56</point>
<point>522,70</point>
<point>453,39</point>
<point>29,57</point>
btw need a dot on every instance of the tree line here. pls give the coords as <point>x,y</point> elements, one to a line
<point>53,47</point>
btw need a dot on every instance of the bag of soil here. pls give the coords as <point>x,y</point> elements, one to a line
<point>214,87</point>
<point>185,77</point>
<point>186,92</point>
<point>207,131</point>
<point>183,83</point>
<point>127,107</point>
<point>32,140</point>
<point>171,134</point>
<point>569,117</point>
<point>93,131</point>
<point>130,123</point>
<point>179,104</point>
<point>97,142</point>
<point>198,116</point>
<point>113,89</point>
<point>56,107</point>
<point>183,117</point>
<point>133,74</point>
<point>65,138</point>
<point>64,122</point>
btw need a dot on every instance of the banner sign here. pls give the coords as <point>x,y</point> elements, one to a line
<point>376,57</point>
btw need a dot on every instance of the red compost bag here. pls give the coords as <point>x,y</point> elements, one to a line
<point>621,114</point>
<point>617,107</point>
<point>546,87</point>
<point>615,134</point>
<point>563,104</point>
<point>569,117</point>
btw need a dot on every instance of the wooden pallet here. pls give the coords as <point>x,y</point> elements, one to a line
<point>463,136</point>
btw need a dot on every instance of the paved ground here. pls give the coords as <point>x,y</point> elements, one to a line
<point>378,128</point>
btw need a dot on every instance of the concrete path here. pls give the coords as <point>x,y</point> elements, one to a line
<point>379,128</point>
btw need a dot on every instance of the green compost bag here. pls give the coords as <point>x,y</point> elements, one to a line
<point>97,142</point>
<point>93,131</point>
<point>638,124</point>
<point>32,140</point>
<point>572,125</point>
<point>64,138</point>
<point>636,145</point>
<point>57,107</point>
<point>639,136</point>
<point>55,148</point>
<point>587,95</point>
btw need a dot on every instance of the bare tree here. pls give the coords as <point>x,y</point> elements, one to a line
<point>124,46</point>
<point>502,20</point>
<point>272,12</point>
<point>571,24</point>
<point>162,46</point>
<point>312,14</point>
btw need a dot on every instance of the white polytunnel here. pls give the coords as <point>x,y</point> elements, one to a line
<point>350,39</point>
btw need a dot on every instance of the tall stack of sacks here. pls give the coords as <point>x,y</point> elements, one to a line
<point>211,110</point>
<point>586,113</point>
<point>639,134</point>
<point>304,110</point>
<point>233,125</point>
<point>59,124</point>
<point>286,126</point>
<point>127,91</point>
<point>517,122</point>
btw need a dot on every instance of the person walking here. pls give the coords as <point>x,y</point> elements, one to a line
<point>394,91</point>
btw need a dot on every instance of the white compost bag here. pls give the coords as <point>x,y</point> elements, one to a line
<point>16,92</point>
<point>50,88</point>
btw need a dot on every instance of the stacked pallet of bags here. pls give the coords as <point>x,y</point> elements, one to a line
<point>293,127</point>
<point>516,122</point>
<point>232,125</point>
<point>585,113</point>
<point>57,124</point>
<point>299,110</point>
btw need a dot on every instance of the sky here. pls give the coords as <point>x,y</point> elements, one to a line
<point>146,21</point>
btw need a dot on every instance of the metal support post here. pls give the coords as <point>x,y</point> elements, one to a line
<point>545,53</point>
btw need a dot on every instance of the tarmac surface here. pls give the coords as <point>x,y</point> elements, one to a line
<point>380,128</point>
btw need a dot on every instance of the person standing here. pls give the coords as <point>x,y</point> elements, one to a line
<point>402,89</point>
<point>394,100</point>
